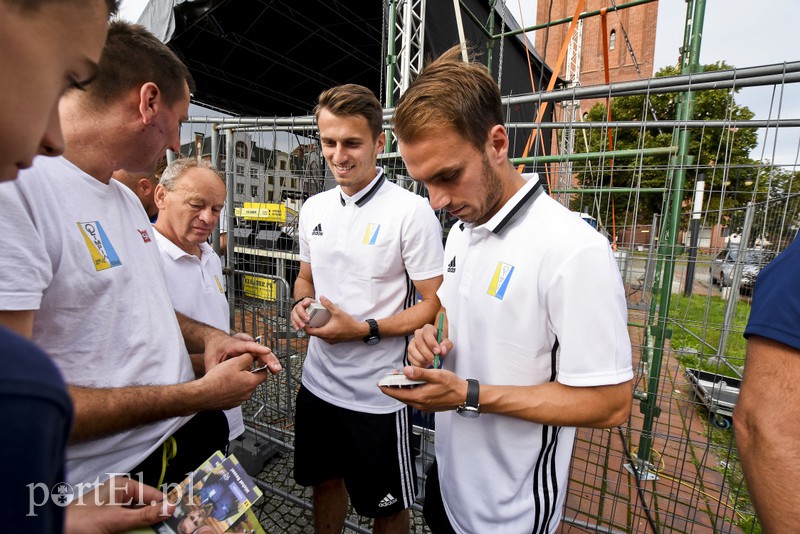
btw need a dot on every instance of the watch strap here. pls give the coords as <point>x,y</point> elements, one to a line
<point>373,328</point>
<point>473,393</point>
<point>374,335</point>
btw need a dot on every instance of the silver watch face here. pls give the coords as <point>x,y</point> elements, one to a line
<point>373,340</point>
<point>468,411</point>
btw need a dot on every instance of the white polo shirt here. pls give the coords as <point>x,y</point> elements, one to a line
<point>364,252</point>
<point>532,296</point>
<point>196,290</point>
<point>82,255</point>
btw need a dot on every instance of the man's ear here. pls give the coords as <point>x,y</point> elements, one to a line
<point>149,101</point>
<point>380,143</point>
<point>159,195</point>
<point>498,143</point>
<point>145,185</point>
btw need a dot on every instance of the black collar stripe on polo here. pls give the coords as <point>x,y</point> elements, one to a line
<point>369,194</point>
<point>517,210</point>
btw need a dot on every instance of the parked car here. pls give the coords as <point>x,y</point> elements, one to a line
<point>754,259</point>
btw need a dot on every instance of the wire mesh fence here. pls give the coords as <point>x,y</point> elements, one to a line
<point>688,261</point>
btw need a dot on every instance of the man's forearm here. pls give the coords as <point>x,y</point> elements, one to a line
<point>768,439</point>
<point>198,364</point>
<point>195,333</point>
<point>769,462</point>
<point>303,288</point>
<point>104,411</point>
<point>422,313</point>
<point>559,405</point>
<point>408,320</point>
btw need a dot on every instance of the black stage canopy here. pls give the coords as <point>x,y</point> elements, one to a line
<point>273,57</point>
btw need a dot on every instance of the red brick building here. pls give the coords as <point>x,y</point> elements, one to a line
<point>584,62</point>
<point>639,23</point>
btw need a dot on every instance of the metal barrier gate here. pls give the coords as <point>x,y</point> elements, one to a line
<point>674,467</point>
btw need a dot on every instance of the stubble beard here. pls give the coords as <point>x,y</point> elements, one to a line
<point>491,191</point>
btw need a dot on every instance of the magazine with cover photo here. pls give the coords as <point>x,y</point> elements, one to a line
<point>213,499</point>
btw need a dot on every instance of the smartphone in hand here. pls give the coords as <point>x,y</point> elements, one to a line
<point>319,315</point>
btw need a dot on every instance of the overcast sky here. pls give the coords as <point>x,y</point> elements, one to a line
<point>742,33</point>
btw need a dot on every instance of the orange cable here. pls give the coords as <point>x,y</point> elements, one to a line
<point>559,62</point>
<point>533,83</point>
<point>607,75</point>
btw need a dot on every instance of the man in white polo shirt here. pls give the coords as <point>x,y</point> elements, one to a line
<point>189,198</point>
<point>83,278</point>
<point>537,340</point>
<point>366,248</point>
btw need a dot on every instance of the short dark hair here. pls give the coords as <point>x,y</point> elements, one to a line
<point>453,93</point>
<point>33,5</point>
<point>132,57</point>
<point>353,99</point>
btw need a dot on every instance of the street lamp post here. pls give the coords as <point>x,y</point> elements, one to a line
<point>694,230</point>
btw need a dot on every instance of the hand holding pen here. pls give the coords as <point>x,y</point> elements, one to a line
<point>429,345</point>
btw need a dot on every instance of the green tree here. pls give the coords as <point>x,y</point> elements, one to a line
<point>721,153</point>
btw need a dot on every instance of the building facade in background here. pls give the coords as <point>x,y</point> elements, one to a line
<point>613,47</point>
<point>265,175</point>
<point>585,63</point>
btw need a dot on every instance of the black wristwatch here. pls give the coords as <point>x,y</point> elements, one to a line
<point>471,408</point>
<point>374,335</point>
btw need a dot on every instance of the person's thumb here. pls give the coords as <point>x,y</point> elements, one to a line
<point>328,303</point>
<point>416,373</point>
<point>147,515</point>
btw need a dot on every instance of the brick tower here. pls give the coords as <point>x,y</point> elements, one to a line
<point>584,64</point>
<point>638,22</point>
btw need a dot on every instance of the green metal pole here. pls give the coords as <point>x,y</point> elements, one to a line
<point>585,156</point>
<point>609,190</point>
<point>391,61</point>
<point>695,12</point>
<point>475,19</point>
<point>648,406</point>
<point>567,20</point>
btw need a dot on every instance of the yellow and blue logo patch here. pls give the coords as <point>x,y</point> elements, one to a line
<point>103,254</point>
<point>371,235</point>
<point>500,280</point>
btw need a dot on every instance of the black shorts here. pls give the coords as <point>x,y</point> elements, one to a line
<point>197,439</point>
<point>370,452</point>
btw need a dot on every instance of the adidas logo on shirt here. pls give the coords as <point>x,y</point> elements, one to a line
<point>387,501</point>
<point>317,230</point>
<point>451,267</point>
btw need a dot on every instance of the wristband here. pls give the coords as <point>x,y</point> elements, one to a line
<point>301,299</point>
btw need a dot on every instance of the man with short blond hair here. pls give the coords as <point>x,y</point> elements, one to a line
<point>533,347</point>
